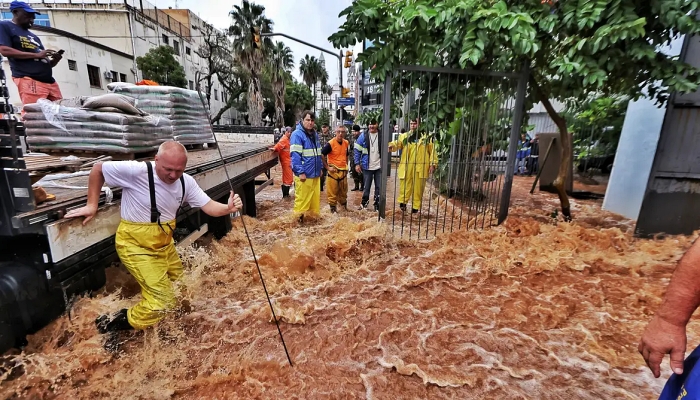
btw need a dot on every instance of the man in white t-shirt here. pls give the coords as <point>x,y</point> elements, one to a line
<point>369,162</point>
<point>152,194</point>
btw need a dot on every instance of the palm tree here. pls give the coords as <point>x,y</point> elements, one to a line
<point>281,63</point>
<point>244,19</point>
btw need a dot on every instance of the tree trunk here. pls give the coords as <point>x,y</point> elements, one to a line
<point>562,175</point>
<point>314,97</point>
<point>255,101</point>
<point>279,88</point>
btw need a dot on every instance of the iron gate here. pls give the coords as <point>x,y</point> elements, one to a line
<point>455,168</point>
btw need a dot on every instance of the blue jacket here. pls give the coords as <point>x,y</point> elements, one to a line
<point>306,153</point>
<point>362,148</point>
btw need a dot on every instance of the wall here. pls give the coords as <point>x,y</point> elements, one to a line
<point>635,152</point>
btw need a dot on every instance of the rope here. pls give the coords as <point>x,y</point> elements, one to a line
<point>245,229</point>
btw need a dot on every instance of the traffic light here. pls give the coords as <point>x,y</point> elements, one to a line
<point>345,92</point>
<point>256,38</point>
<point>348,59</point>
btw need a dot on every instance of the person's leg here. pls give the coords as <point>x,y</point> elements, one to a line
<point>418,189</point>
<point>323,178</point>
<point>315,202</point>
<point>367,184</point>
<point>343,190</point>
<point>30,91</point>
<point>376,175</point>
<point>304,192</point>
<point>54,92</point>
<point>151,271</point>
<point>332,190</point>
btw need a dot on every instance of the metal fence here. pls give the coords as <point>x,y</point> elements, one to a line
<point>452,130</point>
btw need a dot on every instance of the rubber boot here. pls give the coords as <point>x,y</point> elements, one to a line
<point>285,191</point>
<point>333,210</point>
<point>402,206</point>
<point>119,322</point>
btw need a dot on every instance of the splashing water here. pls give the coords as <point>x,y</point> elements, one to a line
<point>534,308</point>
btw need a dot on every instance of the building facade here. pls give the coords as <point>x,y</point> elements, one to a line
<point>102,40</point>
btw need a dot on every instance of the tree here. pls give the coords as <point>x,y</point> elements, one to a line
<point>280,64</point>
<point>312,71</point>
<point>160,65</point>
<point>244,20</point>
<point>572,48</point>
<point>219,65</point>
<point>324,117</point>
<point>297,99</point>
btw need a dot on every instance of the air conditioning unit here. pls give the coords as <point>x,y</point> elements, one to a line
<point>108,75</point>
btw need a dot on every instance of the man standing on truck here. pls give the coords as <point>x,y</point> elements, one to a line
<point>306,165</point>
<point>282,149</point>
<point>144,240</point>
<point>30,62</point>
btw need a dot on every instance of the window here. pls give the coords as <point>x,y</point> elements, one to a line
<point>191,85</point>
<point>187,50</point>
<point>94,76</point>
<point>224,96</point>
<point>72,65</point>
<point>216,94</point>
<point>115,76</point>
<point>165,39</point>
<point>122,77</point>
<point>176,47</point>
<point>39,19</point>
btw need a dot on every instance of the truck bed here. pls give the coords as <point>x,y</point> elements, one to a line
<point>198,161</point>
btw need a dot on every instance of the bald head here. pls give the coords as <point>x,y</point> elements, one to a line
<point>172,147</point>
<point>171,161</point>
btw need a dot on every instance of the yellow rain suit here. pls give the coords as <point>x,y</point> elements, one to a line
<point>148,253</point>
<point>417,157</point>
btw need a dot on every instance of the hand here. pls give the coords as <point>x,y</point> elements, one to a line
<point>432,169</point>
<point>660,338</point>
<point>45,53</point>
<point>55,57</point>
<point>358,169</point>
<point>234,203</point>
<point>302,177</point>
<point>332,169</point>
<point>88,212</point>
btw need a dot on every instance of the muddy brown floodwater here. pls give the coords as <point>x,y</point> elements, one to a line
<point>533,309</point>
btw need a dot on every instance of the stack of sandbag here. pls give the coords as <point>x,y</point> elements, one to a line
<point>181,106</point>
<point>107,123</point>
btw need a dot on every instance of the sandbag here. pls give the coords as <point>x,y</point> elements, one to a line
<point>90,147</point>
<point>123,103</point>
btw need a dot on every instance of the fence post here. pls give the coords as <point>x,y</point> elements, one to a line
<point>513,142</point>
<point>384,151</point>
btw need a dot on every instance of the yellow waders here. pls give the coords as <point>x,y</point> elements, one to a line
<point>308,195</point>
<point>411,188</point>
<point>148,253</point>
<point>337,187</point>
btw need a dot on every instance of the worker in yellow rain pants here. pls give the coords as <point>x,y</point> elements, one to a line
<point>152,194</point>
<point>306,165</point>
<point>335,160</point>
<point>418,161</point>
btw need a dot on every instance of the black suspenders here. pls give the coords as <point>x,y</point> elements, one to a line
<point>155,214</point>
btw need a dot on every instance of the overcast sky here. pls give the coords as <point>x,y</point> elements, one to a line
<point>309,20</point>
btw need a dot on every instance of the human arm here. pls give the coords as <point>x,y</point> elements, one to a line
<point>359,150</point>
<point>433,157</point>
<point>398,143</point>
<point>666,332</point>
<point>95,182</point>
<point>296,149</point>
<point>216,209</point>
<point>10,52</point>
<point>324,155</point>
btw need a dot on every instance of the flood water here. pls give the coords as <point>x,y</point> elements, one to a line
<point>531,309</point>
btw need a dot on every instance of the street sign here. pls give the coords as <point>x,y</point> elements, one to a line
<point>346,122</point>
<point>346,101</point>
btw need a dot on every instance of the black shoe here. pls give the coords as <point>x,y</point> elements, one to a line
<point>333,210</point>
<point>119,322</point>
<point>356,189</point>
<point>402,206</point>
<point>301,219</point>
<point>376,207</point>
<point>414,211</point>
<point>364,205</point>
